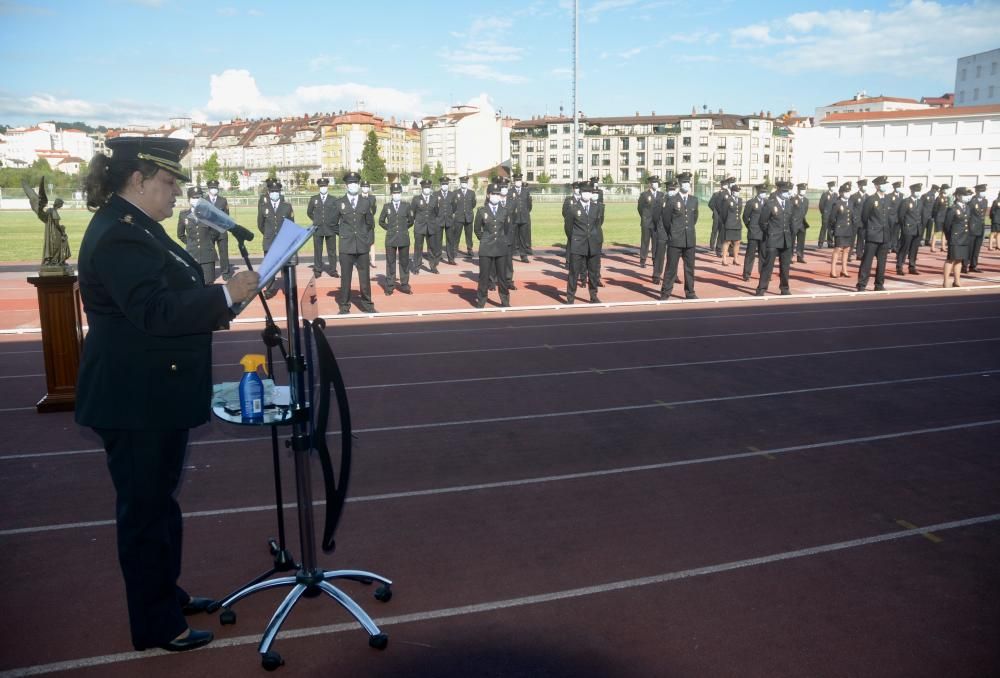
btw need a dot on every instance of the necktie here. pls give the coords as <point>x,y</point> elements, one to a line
<point>354,203</point>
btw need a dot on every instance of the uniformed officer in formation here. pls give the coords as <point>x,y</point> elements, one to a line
<point>927,202</point>
<point>679,216</point>
<point>825,237</point>
<point>958,237</point>
<point>397,220</point>
<point>446,222</point>
<point>800,223</point>
<point>978,207</point>
<point>647,205</point>
<point>876,220</point>
<point>938,213</point>
<point>839,221</point>
<point>272,210</point>
<point>755,236</point>
<point>356,228</point>
<point>857,202</point>
<point>778,237</point>
<point>366,192</point>
<point>568,203</point>
<point>221,239</point>
<point>465,214</point>
<point>521,195</point>
<point>715,240</point>
<point>492,228</point>
<point>198,239</point>
<point>660,232</point>
<point>909,217</point>
<point>321,210</point>
<point>995,223</point>
<point>895,198</point>
<point>585,236</point>
<point>425,224</point>
<point>730,211</point>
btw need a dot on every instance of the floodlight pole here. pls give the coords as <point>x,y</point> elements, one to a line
<point>576,110</point>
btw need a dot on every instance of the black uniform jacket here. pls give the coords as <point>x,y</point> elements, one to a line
<point>776,223</point>
<point>465,206</point>
<point>840,218</point>
<point>977,215</point>
<point>956,225</point>
<point>396,223</point>
<point>269,219</point>
<point>679,218</point>
<point>800,210</point>
<point>147,358</point>
<point>198,239</point>
<point>875,217</point>
<point>728,208</point>
<point>647,207</point>
<point>425,214</point>
<point>909,215</point>
<point>751,217</point>
<point>322,213</point>
<point>355,225</point>
<point>493,231</point>
<point>586,233</point>
<point>522,198</point>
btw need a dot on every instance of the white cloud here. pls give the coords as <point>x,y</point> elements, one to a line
<point>485,44</point>
<point>629,53</point>
<point>484,72</point>
<point>705,37</point>
<point>48,106</point>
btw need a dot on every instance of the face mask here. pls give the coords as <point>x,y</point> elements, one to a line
<point>785,195</point>
<point>762,194</point>
<point>352,189</point>
<point>672,192</point>
<point>884,188</point>
<point>213,192</point>
<point>915,193</point>
<point>194,201</point>
<point>966,198</point>
<point>396,197</point>
<point>463,185</point>
<point>274,195</point>
<point>503,192</point>
<point>981,194</point>
<point>898,189</point>
<point>494,198</point>
<point>735,190</point>
<point>425,191</point>
<point>586,196</point>
<point>518,184</point>
<point>685,187</point>
<point>656,186</point>
<point>802,192</point>
<point>845,195</point>
<point>323,190</point>
<point>576,193</point>
<point>364,190</point>
<point>444,188</point>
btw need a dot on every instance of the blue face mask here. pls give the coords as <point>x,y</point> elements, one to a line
<point>785,195</point>
<point>274,195</point>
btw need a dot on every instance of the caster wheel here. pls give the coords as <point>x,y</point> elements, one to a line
<point>272,546</point>
<point>383,593</point>
<point>378,641</point>
<point>271,660</point>
<point>227,617</point>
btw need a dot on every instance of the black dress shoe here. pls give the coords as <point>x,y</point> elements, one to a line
<point>512,286</point>
<point>434,270</point>
<point>524,259</point>
<point>197,606</point>
<point>600,283</point>
<point>388,292</point>
<point>880,288</point>
<point>656,281</point>
<point>785,293</point>
<point>481,303</point>
<point>746,277</point>
<point>801,260</point>
<point>759,293</point>
<point>334,274</point>
<point>344,311</point>
<point>594,299</point>
<point>973,269</point>
<point>691,296</point>
<point>914,271</point>
<point>663,296</point>
<point>569,300</point>
<point>191,641</point>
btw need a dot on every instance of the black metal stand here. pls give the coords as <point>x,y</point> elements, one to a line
<point>310,580</point>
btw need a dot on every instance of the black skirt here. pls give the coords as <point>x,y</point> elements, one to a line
<point>843,241</point>
<point>957,252</point>
<point>732,234</point>
<point>995,227</point>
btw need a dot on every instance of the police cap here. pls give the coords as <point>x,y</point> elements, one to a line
<point>443,181</point>
<point>465,179</point>
<point>897,184</point>
<point>862,182</point>
<point>653,177</point>
<point>845,187</point>
<point>163,152</point>
<point>783,185</point>
<point>395,187</point>
<point>365,184</point>
<point>945,187</point>
<point>672,183</point>
<point>881,180</point>
<point>425,183</point>
<point>980,188</point>
<point>831,184</point>
<point>212,183</point>
<point>684,177</point>
<point>517,175</point>
<point>352,178</point>
<point>802,187</point>
<point>194,192</point>
<point>493,189</point>
<point>273,184</point>
<point>323,181</point>
<point>916,187</point>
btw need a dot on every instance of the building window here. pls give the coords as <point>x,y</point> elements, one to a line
<point>671,143</point>
<point>720,159</point>
<point>767,158</point>
<point>553,129</point>
<point>641,143</point>
<point>703,141</point>
<point>975,94</point>
<point>595,144</point>
<point>566,157</point>
<point>686,142</point>
<point>640,159</point>
<point>566,129</point>
<point>566,143</point>
<point>540,160</point>
<point>623,158</point>
<point>961,97</point>
<point>595,159</point>
<point>754,174</point>
<point>565,173</point>
<point>737,158</point>
<point>624,144</point>
<point>703,157</point>
<point>991,91</point>
<point>624,174</point>
<point>606,160</point>
<point>529,161</point>
<point>993,68</point>
<point>754,142</point>
<point>529,147</point>
<point>553,145</point>
<point>979,70</point>
<point>605,144</point>
<point>703,174</point>
<point>531,176</point>
<point>657,143</point>
<point>962,76</point>
<point>553,159</point>
<point>686,157</point>
<point>657,158</point>
<point>670,159</point>
<point>754,158</point>
<point>685,124</point>
<point>720,142</point>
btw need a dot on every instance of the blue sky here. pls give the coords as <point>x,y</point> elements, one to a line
<point>141,61</point>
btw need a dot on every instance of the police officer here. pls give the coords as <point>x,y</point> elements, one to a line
<point>569,202</point>
<point>492,227</point>
<point>321,210</point>
<point>730,209</point>
<point>446,223</point>
<point>839,221</point>
<point>465,213</point>
<point>510,210</point>
<point>825,237</point>
<point>995,222</point>
<point>660,232</point>
<point>356,226</point>
<point>927,202</point>
<point>978,207</point>
<point>585,235</point>
<point>595,186</point>
<point>715,240</point>
<point>646,206</point>
<point>895,198</point>
<point>755,236</point>
<point>425,221</point>
<point>679,218</point>
<point>198,239</point>
<point>878,234</point>
<point>938,213</point>
<point>522,226</point>
<point>366,192</point>
<point>800,210</point>
<point>272,210</point>
<point>857,202</point>
<point>221,239</point>
<point>778,237</point>
<point>397,218</point>
<point>955,227</point>
<point>909,217</point>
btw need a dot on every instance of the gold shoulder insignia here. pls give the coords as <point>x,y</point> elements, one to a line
<point>127,219</point>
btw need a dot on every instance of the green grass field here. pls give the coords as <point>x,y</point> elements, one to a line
<point>21,233</point>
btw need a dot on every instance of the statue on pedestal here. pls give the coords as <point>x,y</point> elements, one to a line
<point>56,249</point>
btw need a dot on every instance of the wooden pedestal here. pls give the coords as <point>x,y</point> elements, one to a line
<point>62,339</point>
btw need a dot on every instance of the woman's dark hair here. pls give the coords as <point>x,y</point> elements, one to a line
<point>107,176</point>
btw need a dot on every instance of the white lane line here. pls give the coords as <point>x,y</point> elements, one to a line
<point>523,601</point>
<point>553,415</point>
<point>455,489</point>
<point>22,376</point>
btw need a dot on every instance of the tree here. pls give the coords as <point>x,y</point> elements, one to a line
<point>608,180</point>
<point>234,180</point>
<point>494,175</point>
<point>272,172</point>
<point>543,178</point>
<point>41,165</point>
<point>517,168</point>
<point>372,164</point>
<point>438,172</point>
<point>425,172</point>
<point>210,170</point>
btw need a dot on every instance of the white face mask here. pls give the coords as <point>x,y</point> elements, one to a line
<point>518,183</point>
<point>494,198</point>
<point>323,190</point>
<point>884,188</point>
<point>762,195</point>
<point>444,188</point>
<point>672,192</point>
<point>802,192</point>
<point>686,187</point>
<point>981,194</point>
<point>586,196</point>
<point>503,192</point>
<point>193,201</point>
<point>655,186</point>
<point>396,197</point>
<point>213,192</point>
<point>352,189</point>
<point>274,195</point>
<point>463,185</point>
<point>966,198</point>
<point>425,191</point>
<point>365,189</point>
<point>785,195</point>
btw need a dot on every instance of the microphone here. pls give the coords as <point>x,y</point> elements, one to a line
<point>208,214</point>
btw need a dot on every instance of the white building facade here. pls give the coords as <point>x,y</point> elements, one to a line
<point>977,79</point>
<point>26,144</point>
<point>468,139</point>
<point>957,146</point>
<point>862,103</point>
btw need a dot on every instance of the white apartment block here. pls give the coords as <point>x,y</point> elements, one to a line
<point>26,144</point>
<point>711,146</point>
<point>958,146</point>
<point>977,79</point>
<point>468,139</point>
<point>862,103</point>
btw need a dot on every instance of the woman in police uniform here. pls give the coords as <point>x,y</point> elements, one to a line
<point>957,235</point>
<point>145,376</point>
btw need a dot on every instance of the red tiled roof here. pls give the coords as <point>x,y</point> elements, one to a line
<point>953,112</point>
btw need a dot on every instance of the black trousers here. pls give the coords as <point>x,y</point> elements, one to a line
<point>433,242</point>
<point>580,264</point>
<point>753,252</point>
<point>800,243</point>
<point>645,236</point>
<point>522,239</point>
<point>715,241</point>
<point>784,257</point>
<point>674,255</point>
<point>330,241</point>
<point>468,236</point>
<point>873,250</point>
<point>928,230</point>
<point>859,242</point>
<point>222,246</point>
<point>825,236</point>
<point>907,252</point>
<point>454,238</point>
<point>348,262</point>
<point>491,268</point>
<point>208,270</point>
<point>977,244</point>
<point>659,256</point>
<point>146,468</point>
<point>392,254</point>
